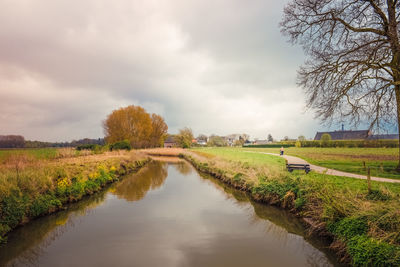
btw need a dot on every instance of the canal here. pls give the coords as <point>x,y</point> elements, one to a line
<point>167,214</point>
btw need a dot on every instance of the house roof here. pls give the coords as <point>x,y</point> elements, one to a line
<point>345,135</point>
<point>384,137</point>
<point>170,139</point>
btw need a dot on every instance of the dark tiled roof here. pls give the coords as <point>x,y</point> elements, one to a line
<point>384,137</point>
<point>170,139</point>
<point>345,135</point>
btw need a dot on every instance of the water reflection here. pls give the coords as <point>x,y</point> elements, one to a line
<point>27,243</point>
<point>135,187</point>
<point>281,224</point>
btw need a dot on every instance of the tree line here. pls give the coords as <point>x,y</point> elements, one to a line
<point>18,141</point>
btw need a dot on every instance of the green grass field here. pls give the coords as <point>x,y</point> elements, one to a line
<point>39,153</point>
<point>238,154</point>
<point>381,161</point>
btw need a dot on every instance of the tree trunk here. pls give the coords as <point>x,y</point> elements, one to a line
<point>397,91</point>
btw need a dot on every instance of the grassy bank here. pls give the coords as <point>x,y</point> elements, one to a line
<point>363,225</point>
<point>382,161</point>
<point>37,182</point>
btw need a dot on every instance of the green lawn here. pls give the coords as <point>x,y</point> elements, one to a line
<point>238,154</point>
<point>381,161</point>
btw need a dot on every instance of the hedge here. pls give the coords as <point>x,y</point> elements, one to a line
<point>269,146</point>
<point>351,143</point>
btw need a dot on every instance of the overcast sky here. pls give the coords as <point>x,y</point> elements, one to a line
<point>219,67</point>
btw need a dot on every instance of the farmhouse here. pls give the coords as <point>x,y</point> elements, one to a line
<point>170,142</point>
<point>345,135</point>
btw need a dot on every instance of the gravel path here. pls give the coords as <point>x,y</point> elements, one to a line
<point>319,169</point>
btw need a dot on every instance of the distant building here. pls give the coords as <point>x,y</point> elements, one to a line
<point>170,142</point>
<point>384,137</point>
<point>261,142</point>
<point>345,135</point>
<point>201,142</point>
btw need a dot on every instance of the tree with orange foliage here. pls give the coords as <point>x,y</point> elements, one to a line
<point>159,130</point>
<point>134,124</point>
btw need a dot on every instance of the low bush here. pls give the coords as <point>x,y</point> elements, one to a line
<point>271,145</point>
<point>44,204</point>
<point>120,145</point>
<point>13,208</point>
<point>349,227</point>
<point>367,251</point>
<point>378,195</point>
<point>274,187</point>
<point>87,147</point>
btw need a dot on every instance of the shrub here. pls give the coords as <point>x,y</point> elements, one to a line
<point>326,140</point>
<point>276,187</point>
<point>121,145</point>
<point>237,177</point>
<point>43,204</point>
<point>366,251</point>
<point>87,147</point>
<point>354,143</point>
<point>349,227</point>
<point>299,202</point>
<point>13,208</point>
<point>378,195</point>
<point>286,145</point>
<point>298,144</point>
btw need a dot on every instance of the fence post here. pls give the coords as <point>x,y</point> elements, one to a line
<point>369,180</point>
<point>365,167</point>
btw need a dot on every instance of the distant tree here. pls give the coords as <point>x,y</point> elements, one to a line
<point>134,124</point>
<point>202,137</point>
<point>301,138</point>
<point>12,141</point>
<point>159,131</point>
<point>215,140</point>
<point>300,141</point>
<point>353,66</point>
<point>270,138</point>
<point>286,138</point>
<point>184,137</point>
<point>239,142</point>
<point>326,140</point>
<point>245,137</point>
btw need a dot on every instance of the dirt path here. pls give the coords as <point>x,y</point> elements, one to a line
<point>319,169</point>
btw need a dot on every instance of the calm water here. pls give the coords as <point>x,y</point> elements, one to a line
<point>165,215</point>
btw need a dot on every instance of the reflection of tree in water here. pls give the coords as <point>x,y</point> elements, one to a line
<point>26,244</point>
<point>135,187</point>
<point>183,168</point>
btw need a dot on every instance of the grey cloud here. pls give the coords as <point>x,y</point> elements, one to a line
<point>216,66</point>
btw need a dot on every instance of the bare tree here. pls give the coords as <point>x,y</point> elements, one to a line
<point>353,66</point>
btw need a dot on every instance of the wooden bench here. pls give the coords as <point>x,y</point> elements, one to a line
<point>291,167</point>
